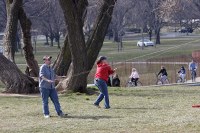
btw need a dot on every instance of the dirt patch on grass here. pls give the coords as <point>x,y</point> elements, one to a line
<point>18,95</point>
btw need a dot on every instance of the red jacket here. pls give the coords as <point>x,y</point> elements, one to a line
<point>103,71</point>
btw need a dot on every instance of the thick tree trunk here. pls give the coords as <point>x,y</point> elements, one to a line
<point>116,35</point>
<point>58,43</point>
<point>63,60</point>
<point>150,34</point>
<point>28,49</point>
<point>77,81</point>
<point>57,38</point>
<point>9,40</point>
<point>51,42</point>
<point>14,80</point>
<point>47,40</point>
<point>74,18</point>
<point>17,47</point>
<point>158,36</point>
<point>95,42</point>
<point>10,75</point>
<point>83,62</point>
<point>51,39</point>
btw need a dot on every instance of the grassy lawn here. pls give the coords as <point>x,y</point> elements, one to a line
<point>168,48</point>
<point>146,109</point>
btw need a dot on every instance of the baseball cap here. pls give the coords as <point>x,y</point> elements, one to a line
<point>100,59</point>
<point>47,57</point>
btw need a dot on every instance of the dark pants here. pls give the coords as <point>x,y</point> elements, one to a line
<point>102,86</point>
<point>116,82</point>
<point>134,80</point>
<point>52,93</point>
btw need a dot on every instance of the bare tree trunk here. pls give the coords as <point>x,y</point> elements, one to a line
<point>47,40</point>
<point>58,43</point>
<point>51,42</point>
<point>10,75</point>
<point>57,38</point>
<point>83,57</point>
<point>51,39</point>
<point>14,79</point>
<point>157,35</point>
<point>11,28</point>
<point>95,42</point>
<point>78,81</point>
<point>63,60</point>
<point>17,42</point>
<point>74,18</point>
<point>116,35</point>
<point>150,34</point>
<point>28,49</point>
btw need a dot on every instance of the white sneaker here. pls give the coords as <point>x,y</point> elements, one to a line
<point>46,116</point>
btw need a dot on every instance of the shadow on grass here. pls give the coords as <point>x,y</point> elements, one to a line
<point>92,91</point>
<point>87,117</point>
<point>139,94</point>
<point>136,108</point>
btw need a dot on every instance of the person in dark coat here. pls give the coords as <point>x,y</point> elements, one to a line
<point>116,81</point>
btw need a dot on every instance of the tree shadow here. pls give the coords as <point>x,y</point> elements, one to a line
<point>88,117</point>
<point>136,108</point>
<point>92,91</point>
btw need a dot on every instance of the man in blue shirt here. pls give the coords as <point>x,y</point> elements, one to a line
<point>47,79</point>
<point>193,69</point>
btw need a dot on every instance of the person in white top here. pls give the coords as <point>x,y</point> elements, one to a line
<point>134,76</point>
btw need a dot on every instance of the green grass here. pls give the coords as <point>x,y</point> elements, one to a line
<point>130,50</point>
<point>147,109</point>
<point>168,48</point>
<point>41,51</point>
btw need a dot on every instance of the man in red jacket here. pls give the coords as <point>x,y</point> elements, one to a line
<point>101,79</point>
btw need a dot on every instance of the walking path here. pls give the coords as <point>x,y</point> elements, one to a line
<point>137,62</point>
<point>197,80</point>
<point>19,95</point>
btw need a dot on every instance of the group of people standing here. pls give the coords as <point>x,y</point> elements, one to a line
<point>104,70</point>
<point>47,79</point>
